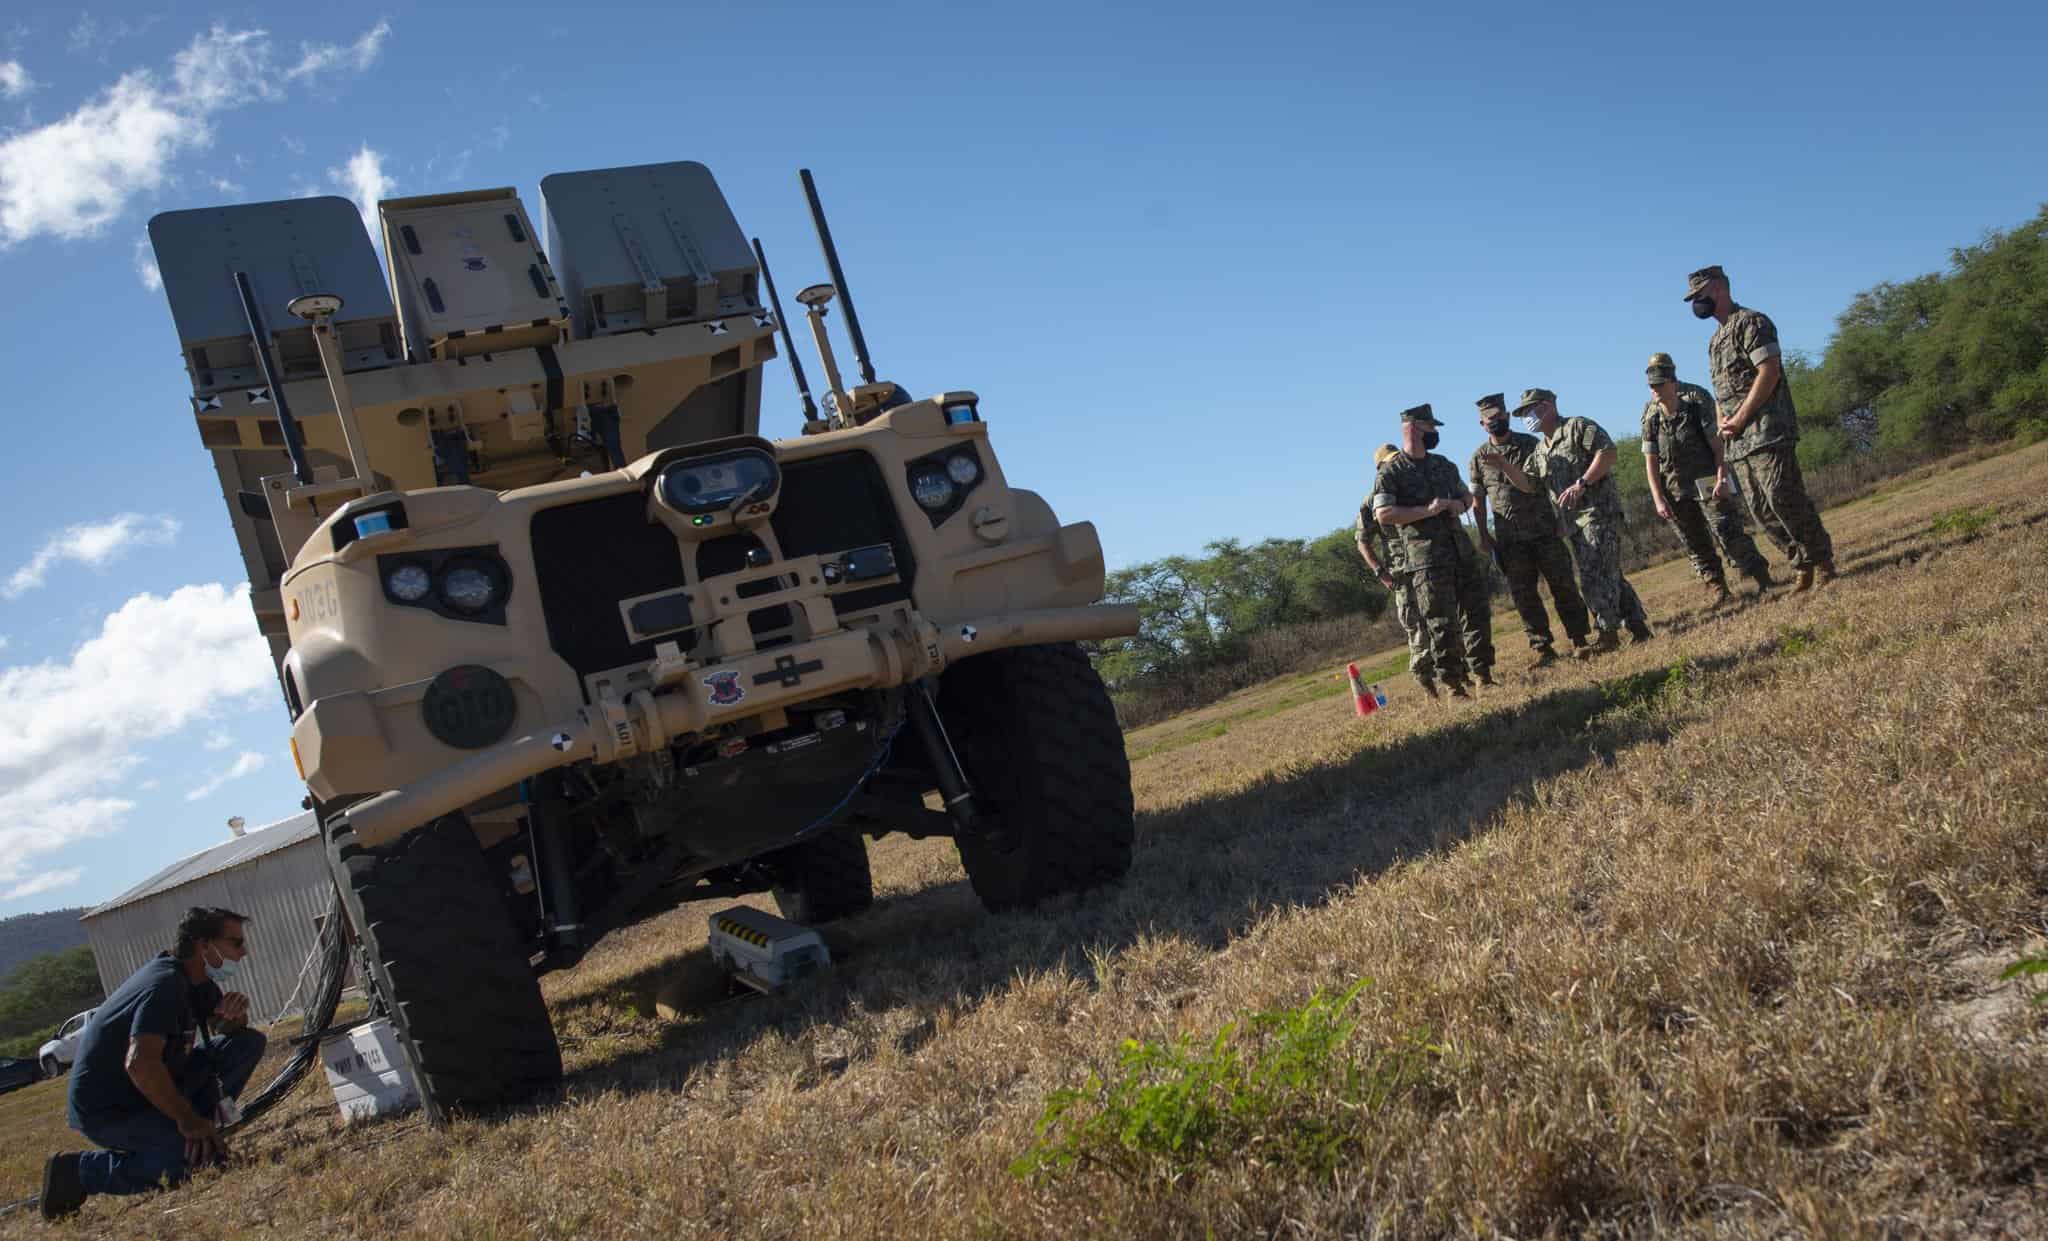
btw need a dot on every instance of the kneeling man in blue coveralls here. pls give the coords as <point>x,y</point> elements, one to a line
<point>150,1076</point>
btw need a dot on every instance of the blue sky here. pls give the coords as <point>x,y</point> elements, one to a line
<point>1193,259</point>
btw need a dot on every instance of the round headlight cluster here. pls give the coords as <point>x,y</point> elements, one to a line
<point>466,586</point>
<point>963,469</point>
<point>931,489</point>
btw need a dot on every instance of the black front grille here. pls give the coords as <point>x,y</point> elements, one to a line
<point>838,502</point>
<point>588,557</point>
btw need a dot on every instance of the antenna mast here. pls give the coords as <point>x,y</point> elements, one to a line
<point>860,343</point>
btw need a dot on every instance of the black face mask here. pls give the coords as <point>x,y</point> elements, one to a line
<point>1497,425</point>
<point>1702,307</point>
<point>1430,439</point>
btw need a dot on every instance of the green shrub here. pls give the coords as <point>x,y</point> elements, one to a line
<point>1291,1085</point>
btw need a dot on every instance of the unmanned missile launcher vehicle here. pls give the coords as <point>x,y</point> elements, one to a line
<point>565,641</point>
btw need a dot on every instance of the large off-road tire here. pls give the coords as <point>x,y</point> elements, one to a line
<point>448,963</point>
<point>1036,733</point>
<point>52,1066</point>
<point>824,879</point>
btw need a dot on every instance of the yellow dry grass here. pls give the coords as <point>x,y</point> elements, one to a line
<point>1705,936</point>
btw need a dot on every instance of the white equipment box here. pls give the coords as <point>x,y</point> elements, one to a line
<point>763,951</point>
<point>369,1072</point>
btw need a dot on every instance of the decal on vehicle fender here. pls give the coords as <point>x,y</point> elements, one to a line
<point>725,687</point>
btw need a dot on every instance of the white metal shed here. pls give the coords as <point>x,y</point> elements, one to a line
<point>277,875</point>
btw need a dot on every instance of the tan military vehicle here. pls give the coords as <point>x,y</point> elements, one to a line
<point>565,642</point>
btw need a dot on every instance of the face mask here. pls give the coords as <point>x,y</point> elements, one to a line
<point>1497,425</point>
<point>1532,422</point>
<point>223,972</point>
<point>1702,307</point>
<point>1430,439</point>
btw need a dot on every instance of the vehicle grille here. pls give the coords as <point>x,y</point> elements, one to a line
<point>837,502</point>
<point>588,556</point>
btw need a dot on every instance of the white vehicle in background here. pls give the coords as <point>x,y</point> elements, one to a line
<point>57,1054</point>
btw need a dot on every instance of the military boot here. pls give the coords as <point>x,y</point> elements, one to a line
<point>1428,689</point>
<point>1825,573</point>
<point>1486,678</point>
<point>1639,631</point>
<point>1717,593</point>
<point>1805,582</point>
<point>1542,659</point>
<point>1606,644</point>
<point>63,1192</point>
<point>1762,578</point>
<point>1457,690</point>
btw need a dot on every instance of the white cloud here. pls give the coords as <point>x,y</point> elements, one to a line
<point>47,881</point>
<point>14,80</point>
<point>73,176</point>
<point>363,179</point>
<point>145,266</point>
<point>70,727</point>
<point>225,186</point>
<point>94,544</point>
<point>218,739</point>
<point>316,58</point>
<point>89,33</point>
<point>248,762</point>
<point>296,146</point>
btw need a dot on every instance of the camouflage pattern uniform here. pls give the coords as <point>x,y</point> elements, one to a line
<point>1684,453</point>
<point>1387,549</point>
<point>1763,457</point>
<point>1594,527</point>
<point>1451,589</point>
<point>1525,539</point>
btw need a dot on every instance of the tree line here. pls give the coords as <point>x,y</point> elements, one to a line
<point>1914,370</point>
<point>40,994</point>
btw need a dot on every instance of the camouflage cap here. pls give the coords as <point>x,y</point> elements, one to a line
<point>1498,401</point>
<point>1661,368</point>
<point>1420,413</point>
<point>1533,395</point>
<point>1386,453</point>
<point>1697,283</point>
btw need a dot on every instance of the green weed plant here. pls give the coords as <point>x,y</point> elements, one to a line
<point>1286,1087</point>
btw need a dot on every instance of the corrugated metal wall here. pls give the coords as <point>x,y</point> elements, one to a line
<point>282,892</point>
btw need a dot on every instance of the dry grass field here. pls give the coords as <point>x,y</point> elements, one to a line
<point>1702,939</point>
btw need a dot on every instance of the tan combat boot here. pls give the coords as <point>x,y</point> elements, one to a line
<point>1825,574</point>
<point>1607,643</point>
<point>1542,659</point>
<point>1457,690</point>
<point>1717,593</point>
<point>1805,582</point>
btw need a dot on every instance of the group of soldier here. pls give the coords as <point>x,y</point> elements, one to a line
<point>1557,514</point>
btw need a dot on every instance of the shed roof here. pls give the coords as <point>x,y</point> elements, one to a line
<point>223,856</point>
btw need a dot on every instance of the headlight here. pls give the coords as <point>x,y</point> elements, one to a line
<point>962,468</point>
<point>408,583</point>
<point>931,489</point>
<point>469,587</point>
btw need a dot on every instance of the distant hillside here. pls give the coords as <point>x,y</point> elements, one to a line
<point>25,936</point>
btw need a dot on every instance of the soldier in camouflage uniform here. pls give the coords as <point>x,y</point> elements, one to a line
<point>1383,554</point>
<point>1682,449</point>
<point>1575,461</point>
<point>1524,540</point>
<point>1422,495</point>
<point>1760,425</point>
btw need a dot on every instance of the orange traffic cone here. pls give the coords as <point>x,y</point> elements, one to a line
<point>1364,700</point>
